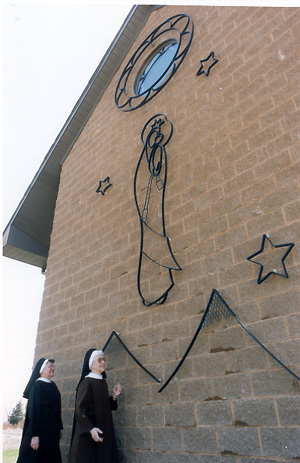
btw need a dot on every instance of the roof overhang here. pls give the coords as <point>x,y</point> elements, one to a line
<point>26,238</point>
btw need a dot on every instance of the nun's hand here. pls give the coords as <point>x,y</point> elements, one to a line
<point>117,391</point>
<point>95,432</point>
<point>34,444</point>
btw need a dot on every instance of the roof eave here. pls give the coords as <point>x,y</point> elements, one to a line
<point>26,237</point>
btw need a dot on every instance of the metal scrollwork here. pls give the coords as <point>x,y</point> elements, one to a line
<point>156,259</point>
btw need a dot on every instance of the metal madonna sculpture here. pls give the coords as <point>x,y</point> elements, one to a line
<point>156,259</point>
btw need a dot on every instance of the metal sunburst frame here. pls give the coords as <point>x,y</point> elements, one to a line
<point>155,135</point>
<point>180,25</point>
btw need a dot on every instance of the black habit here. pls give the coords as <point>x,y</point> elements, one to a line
<point>42,419</point>
<point>93,409</point>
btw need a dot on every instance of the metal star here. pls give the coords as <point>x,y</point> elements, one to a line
<point>107,180</point>
<point>201,71</point>
<point>274,271</point>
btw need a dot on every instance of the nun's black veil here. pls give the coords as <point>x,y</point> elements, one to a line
<point>85,367</point>
<point>34,376</point>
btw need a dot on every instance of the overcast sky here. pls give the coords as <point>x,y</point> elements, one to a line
<point>50,50</point>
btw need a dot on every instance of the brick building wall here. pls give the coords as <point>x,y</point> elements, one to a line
<point>233,175</point>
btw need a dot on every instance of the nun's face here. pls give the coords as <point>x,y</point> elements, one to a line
<point>48,371</point>
<point>98,365</point>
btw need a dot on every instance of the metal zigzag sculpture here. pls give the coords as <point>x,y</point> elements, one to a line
<point>215,310</point>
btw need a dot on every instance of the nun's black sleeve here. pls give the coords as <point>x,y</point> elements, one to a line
<point>113,404</point>
<point>84,408</point>
<point>34,411</point>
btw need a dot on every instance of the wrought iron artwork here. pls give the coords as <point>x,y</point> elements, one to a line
<point>156,259</point>
<point>103,186</point>
<point>215,310</point>
<point>274,271</point>
<point>115,343</point>
<point>154,62</point>
<point>201,70</point>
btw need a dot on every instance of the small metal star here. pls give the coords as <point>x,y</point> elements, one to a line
<point>99,190</point>
<point>201,70</point>
<point>274,271</point>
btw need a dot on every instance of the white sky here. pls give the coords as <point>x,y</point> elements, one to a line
<point>50,49</point>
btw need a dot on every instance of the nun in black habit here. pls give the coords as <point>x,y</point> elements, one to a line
<point>93,437</point>
<point>43,425</point>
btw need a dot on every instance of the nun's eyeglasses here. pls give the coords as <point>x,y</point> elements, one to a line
<point>101,359</point>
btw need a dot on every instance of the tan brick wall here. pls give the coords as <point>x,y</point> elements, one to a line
<point>233,175</point>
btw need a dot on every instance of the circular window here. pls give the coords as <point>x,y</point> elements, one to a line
<point>156,67</point>
<point>154,62</point>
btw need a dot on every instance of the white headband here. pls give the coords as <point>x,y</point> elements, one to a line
<point>94,354</point>
<point>44,364</point>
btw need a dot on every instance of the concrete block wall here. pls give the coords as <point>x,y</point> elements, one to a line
<point>233,175</point>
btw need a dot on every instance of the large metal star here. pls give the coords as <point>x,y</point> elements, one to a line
<point>289,247</point>
<point>107,181</point>
<point>201,70</point>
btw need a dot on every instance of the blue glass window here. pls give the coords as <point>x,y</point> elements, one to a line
<point>157,67</point>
